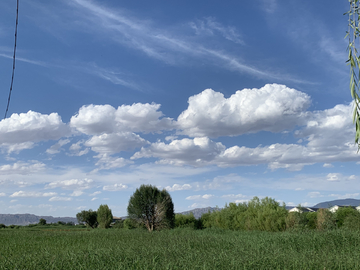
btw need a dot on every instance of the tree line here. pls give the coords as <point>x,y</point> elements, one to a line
<point>153,209</point>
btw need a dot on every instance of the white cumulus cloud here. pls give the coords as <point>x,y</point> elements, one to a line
<point>55,148</point>
<point>32,194</point>
<point>200,197</point>
<point>115,142</point>
<point>197,151</point>
<point>25,128</point>
<point>56,198</point>
<point>176,187</point>
<point>72,184</point>
<point>115,187</point>
<point>22,168</point>
<point>272,108</point>
<point>138,117</point>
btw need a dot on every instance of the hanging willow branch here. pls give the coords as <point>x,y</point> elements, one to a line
<point>353,34</point>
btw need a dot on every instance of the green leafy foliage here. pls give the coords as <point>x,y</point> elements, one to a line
<point>263,215</point>
<point>344,212</point>
<point>88,217</point>
<point>325,220</point>
<point>152,207</point>
<point>104,216</point>
<point>119,224</point>
<point>130,223</point>
<point>42,221</point>
<point>352,222</point>
<point>187,221</point>
<point>353,61</point>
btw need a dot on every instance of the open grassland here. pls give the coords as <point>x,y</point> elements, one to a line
<point>61,248</point>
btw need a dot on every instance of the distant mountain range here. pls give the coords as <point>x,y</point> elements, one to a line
<point>199,211</point>
<point>26,219</point>
<point>348,202</point>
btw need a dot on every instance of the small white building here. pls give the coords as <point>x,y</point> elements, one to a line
<point>303,209</point>
<point>334,208</point>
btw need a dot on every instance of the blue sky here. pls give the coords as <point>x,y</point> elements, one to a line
<point>216,103</point>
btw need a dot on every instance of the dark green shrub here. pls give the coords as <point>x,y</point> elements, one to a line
<point>352,222</point>
<point>325,220</point>
<point>119,224</point>
<point>104,216</point>
<point>342,213</point>
<point>2,226</point>
<point>42,221</point>
<point>311,220</point>
<point>88,217</point>
<point>186,221</point>
<point>130,224</point>
<point>261,215</point>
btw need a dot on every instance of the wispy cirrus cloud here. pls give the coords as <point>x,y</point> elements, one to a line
<point>163,45</point>
<point>25,60</point>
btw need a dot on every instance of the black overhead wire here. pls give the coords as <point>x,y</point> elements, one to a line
<point>13,70</point>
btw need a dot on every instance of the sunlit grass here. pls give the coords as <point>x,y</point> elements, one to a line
<point>61,248</point>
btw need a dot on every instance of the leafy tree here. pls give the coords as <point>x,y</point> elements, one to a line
<point>130,224</point>
<point>187,221</point>
<point>354,61</point>
<point>352,222</point>
<point>311,220</point>
<point>104,216</point>
<point>2,226</point>
<point>88,217</point>
<point>152,207</point>
<point>42,221</point>
<point>119,224</point>
<point>325,220</point>
<point>342,213</point>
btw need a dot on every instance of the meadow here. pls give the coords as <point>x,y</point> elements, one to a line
<point>61,247</point>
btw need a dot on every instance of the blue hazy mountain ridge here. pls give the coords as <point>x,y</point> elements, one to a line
<point>349,202</point>
<point>26,219</point>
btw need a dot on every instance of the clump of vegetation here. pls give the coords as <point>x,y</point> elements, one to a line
<point>325,220</point>
<point>187,221</point>
<point>104,216</point>
<point>152,208</point>
<point>42,221</point>
<point>88,217</point>
<point>262,215</point>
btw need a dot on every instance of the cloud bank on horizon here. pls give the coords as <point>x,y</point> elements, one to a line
<point>109,97</point>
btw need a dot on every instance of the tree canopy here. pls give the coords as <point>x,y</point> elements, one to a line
<point>88,217</point>
<point>152,207</point>
<point>104,216</point>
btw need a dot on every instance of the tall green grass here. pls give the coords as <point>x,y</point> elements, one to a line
<point>177,249</point>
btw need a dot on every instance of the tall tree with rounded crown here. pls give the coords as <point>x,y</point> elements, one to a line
<point>152,207</point>
<point>104,216</point>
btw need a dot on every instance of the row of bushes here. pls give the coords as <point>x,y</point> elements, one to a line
<point>267,215</point>
<point>262,215</point>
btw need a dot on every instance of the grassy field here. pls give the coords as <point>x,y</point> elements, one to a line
<point>62,248</point>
